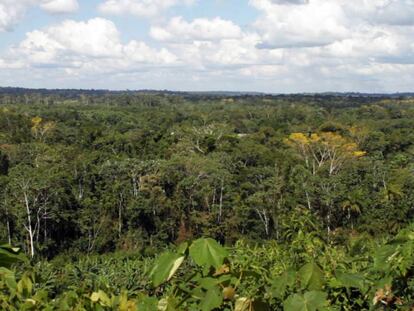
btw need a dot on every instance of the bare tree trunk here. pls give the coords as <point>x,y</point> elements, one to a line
<point>37,226</point>
<point>95,234</point>
<point>266,223</point>
<point>264,219</point>
<point>29,225</point>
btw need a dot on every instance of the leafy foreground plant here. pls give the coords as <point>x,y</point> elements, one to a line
<point>205,276</point>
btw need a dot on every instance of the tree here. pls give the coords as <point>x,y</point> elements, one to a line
<point>327,149</point>
<point>325,154</point>
<point>40,128</point>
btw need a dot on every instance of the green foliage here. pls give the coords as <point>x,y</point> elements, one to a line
<point>310,301</point>
<point>175,281</point>
<point>10,255</point>
<point>207,253</point>
<point>165,267</point>
<point>311,277</point>
<point>311,197</point>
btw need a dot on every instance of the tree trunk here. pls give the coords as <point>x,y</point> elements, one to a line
<point>29,225</point>
<point>37,227</point>
<point>264,219</point>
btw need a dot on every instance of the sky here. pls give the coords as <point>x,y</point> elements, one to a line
<point>277,46</point>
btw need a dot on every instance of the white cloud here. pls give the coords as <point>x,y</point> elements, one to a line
<point>59,6</point>
<point>316,23</point>
<point>145,8</point>
<point>312,23</point>
<point>294,45</point>
<point>89,46</point>
<point>209,43</point>
<point>12,11</point>
<point>290,1</point>
<point>199,29</point>
<point>226,53</point>
<point>388,12</point>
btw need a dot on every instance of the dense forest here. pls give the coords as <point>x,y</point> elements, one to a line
<point>198,201</point>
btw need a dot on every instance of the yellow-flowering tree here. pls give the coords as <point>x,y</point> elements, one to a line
<point>40,128</point>
<point>326,149</point>
<point>325,152</point>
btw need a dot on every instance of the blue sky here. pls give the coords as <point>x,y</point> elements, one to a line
<point>280,46</point>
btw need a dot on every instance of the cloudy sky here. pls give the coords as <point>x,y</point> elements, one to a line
<point>277,46</point>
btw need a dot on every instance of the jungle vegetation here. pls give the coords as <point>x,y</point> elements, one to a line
<point>187,201</point>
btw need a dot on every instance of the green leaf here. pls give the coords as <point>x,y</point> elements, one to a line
<point>165,267</point>
<point>182,248</point>
<point>311,277</point>
<point>207,253</point>
<point>310,301</point>
<point>212,300</point>
<point>10,255</point>
<point>208,283</point>
<point>9,278</point>
<point>281,283</point>
<point>25,285</point>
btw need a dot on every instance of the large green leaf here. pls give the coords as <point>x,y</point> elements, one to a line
<point>311,277</point>
<point>9,278</point>
<point>165,267</point>
<point>10,255</point>
<point>212,300</point>
<point>182,248</point>
<point>310,301</point>
<point>207,253</point>
<point>281,283</point>
<point>208,283</point>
